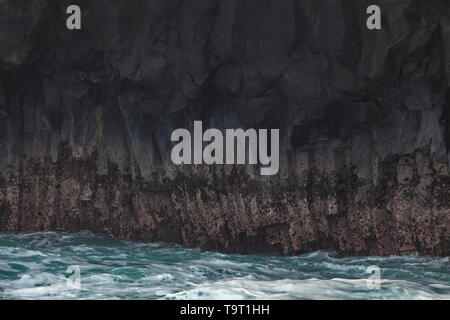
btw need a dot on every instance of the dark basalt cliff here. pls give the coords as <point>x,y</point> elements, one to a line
<point>364,118</point>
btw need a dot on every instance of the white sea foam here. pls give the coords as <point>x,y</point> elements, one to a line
<point>240,288</point>
<point>34,266</point>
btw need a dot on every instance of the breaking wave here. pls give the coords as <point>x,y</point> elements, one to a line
<point>35,266</point>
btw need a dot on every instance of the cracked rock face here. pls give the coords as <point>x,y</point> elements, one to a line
<point>364,118</point>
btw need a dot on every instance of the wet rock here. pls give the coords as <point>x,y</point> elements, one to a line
<point>86,118</point>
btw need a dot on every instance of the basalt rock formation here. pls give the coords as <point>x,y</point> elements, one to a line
<point>364,117</point>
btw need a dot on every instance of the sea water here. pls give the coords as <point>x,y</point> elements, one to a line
<point>49,265</point>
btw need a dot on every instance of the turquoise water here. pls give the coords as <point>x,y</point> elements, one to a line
<point>34,266</point>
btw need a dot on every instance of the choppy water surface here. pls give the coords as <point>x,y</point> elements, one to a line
<point>34,266</point>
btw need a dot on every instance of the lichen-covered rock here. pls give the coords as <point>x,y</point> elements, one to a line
<point>364,118</point>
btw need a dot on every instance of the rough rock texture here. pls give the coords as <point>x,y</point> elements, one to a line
<point>364,118</point>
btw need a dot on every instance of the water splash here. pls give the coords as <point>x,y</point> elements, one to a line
<point>34,266</point>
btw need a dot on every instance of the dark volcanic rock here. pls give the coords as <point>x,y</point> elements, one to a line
<point>364,118</point>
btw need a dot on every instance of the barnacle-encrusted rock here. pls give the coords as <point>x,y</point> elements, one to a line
<point>364,118</point>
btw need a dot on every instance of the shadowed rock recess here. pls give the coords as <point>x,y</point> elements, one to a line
<point>364,118</point>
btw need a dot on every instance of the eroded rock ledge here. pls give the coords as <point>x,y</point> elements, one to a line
<point>364,118</point>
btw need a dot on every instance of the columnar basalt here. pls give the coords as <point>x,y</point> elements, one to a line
<point>364,117</point>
